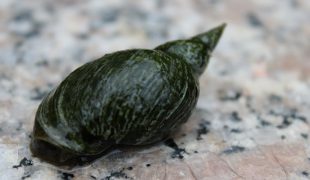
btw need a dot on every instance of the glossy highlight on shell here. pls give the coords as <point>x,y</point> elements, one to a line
<point>129,97</point>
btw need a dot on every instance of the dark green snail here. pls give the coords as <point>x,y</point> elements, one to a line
<point>129,97</point>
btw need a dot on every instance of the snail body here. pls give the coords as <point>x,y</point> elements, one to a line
<point>129,97</point>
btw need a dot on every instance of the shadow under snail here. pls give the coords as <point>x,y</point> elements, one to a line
<point>129,97</point>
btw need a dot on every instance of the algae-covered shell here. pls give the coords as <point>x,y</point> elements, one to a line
<point>129,97</point>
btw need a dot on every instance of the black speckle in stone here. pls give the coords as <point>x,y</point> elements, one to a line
<point>137,14</point>
<point>294,3</point>
<point>234,149</point>
<point>159,33</point>
<point>160,3</point>
<point>305,173</point>
<point>234,116</point>
<point>292,113</point>
<point>110,15</point>
<point>274,113</point>
<point>130,168</point>
<point>206,122</point>
<point>117,174</point>
<point>82,36</point>
<point>304,135</point>
<point>23,15</point>
<point>283,137</point>
<point>38,94</point>
<point>26,176</point>
<point>203,129</point>
<point>93,177</point>
<point>301,118</point>
<point>231,95</point>
<point>178,152</point>
<point>285,123</point>
<point>214,1</point>
<point>248,104</point>
<point>265,123</point>
<point>253,20</point>
<point>26,17</point>
<point>66,176</point>
<point>262,121</point>
<point>224,72</point>
<point>24,162</point>
<point>42,63</point>
<point>36,29</point>
<point>195,151</point>
<point>19,126</point>
<point>235,130</point>
<point>275,98</point>
<point>148,165</point>
<point>18,45</point>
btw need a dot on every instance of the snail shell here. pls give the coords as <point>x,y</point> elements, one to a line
<point>129,97</point>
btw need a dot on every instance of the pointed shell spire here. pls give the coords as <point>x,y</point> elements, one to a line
<point>197,50</point>
<point>211,37</point>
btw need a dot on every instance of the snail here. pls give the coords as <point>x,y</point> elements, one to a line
<point>129,97</point>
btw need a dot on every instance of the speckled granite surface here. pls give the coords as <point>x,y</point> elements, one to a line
<point>253,115</point>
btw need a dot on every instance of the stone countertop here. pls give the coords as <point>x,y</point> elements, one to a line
<point>252,118</point>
